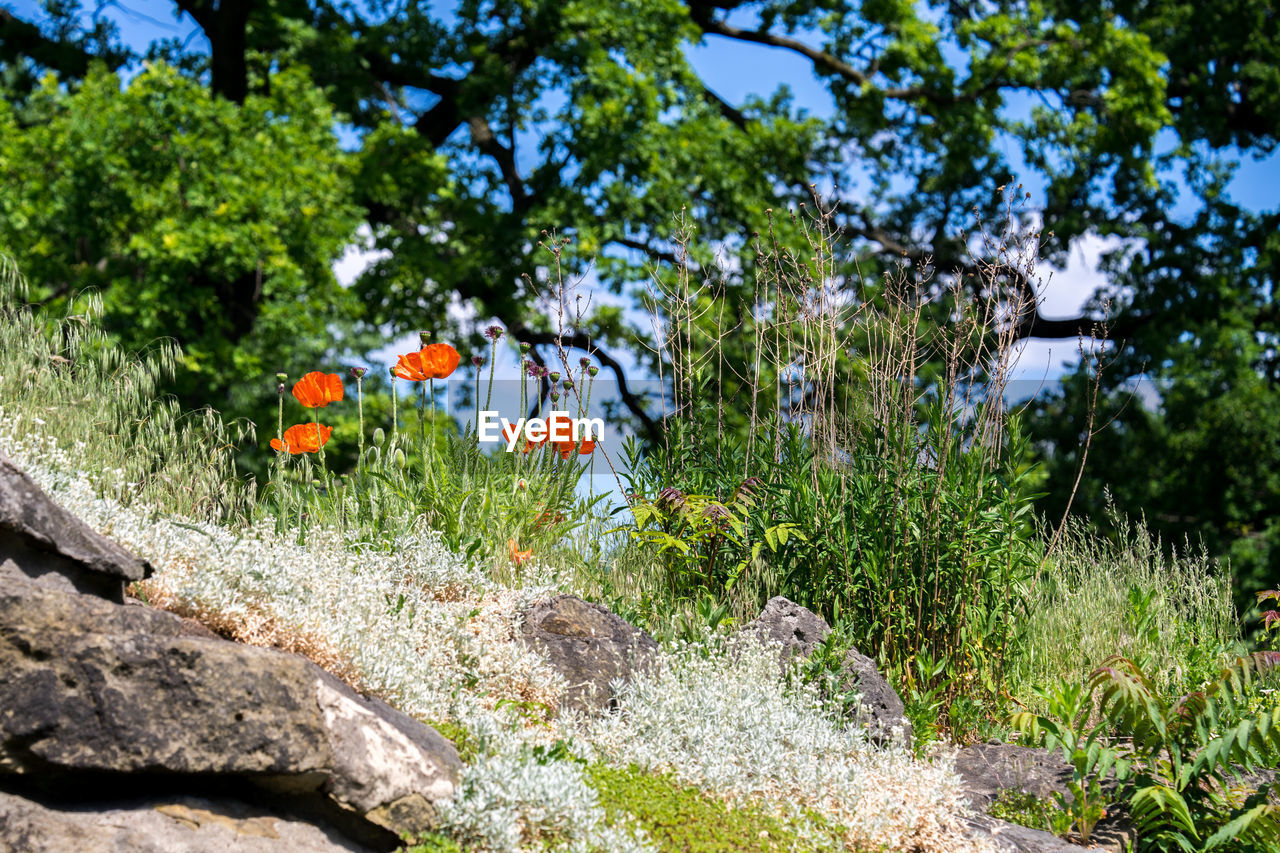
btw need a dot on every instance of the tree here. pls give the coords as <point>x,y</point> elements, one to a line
<point>482,127</point>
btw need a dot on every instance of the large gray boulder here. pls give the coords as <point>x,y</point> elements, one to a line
<point>797,631</point>
<point>986,769</point>
<point>161,825</point>
<point>91,690</point>
<point>1011,838</point>
<point>589,645</point>
<point>42,541</point>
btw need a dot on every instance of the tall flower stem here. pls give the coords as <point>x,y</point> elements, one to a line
<point>493,358</point>
<point>395,418</point>
<point>360,409</point>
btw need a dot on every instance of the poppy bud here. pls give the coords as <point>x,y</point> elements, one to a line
<point>568,383</point>
<point>424,337</point>
<point>372,454</point>
<point>555,376</point>
<point>400,458</point>
<point>378,437</point>
<point>555,396</point>
<point>584,361</point>
<point>522,484</point>
<point>524,347</point>
<point>357,373</point>
<point>477,360</point>
<point>593,370</point>
<point>281,377</point>
<point>392,371</point>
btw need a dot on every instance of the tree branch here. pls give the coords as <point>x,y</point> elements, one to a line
<point>581,341</point>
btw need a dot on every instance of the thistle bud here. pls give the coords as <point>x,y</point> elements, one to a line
<point>379,436</point>
<point>584,361</point>
<point>477,360</point>
<point>357,373</point>
<point>493,333</point>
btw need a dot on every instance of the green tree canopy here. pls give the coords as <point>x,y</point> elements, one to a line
<point>480,126</point>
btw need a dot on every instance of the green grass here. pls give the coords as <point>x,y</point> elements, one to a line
<point>1094,598</point>
<point>683,819</point>
<point>62,379</point>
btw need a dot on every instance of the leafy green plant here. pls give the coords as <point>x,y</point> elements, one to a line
<point>1027,809</point>
<point>1171,759</point>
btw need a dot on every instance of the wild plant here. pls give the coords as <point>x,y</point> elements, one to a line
<point>886,476</point>
<point>1173,761</point>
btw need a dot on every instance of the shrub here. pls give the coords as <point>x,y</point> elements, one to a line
<point>1173,760</point>
<point>847,446</point>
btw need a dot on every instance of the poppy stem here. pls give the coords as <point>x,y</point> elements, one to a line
<point>422,423</point>
<point>493,358</point>
<point>360,408</point>
<point>324,469</point>
<point>395,418</point>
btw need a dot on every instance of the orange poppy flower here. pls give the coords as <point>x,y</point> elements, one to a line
<point>303,438</point>
<point>566,448</point>
<point>434,361</point>
<point>318,389</point>
<point>439,360</point>
<point>517,556</point>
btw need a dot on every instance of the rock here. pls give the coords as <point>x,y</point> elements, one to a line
<point>988,768</point>
<point>91,690</point>
<point>1012,838</point>
<point>159,825</point>
<point>41,540</point>
<point>798,631</point>
<point>589,645</point>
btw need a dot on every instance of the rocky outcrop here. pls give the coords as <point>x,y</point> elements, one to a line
<point>797,631</point>
<point>589,645</point>
<point>161,825</point>
<point>42,541</point>
<point>105,707</point>
<point>989,768</point>
<point>1011,838</point>
<point>986,769</point>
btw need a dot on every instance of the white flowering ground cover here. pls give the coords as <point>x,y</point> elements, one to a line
<point>716,715</point>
